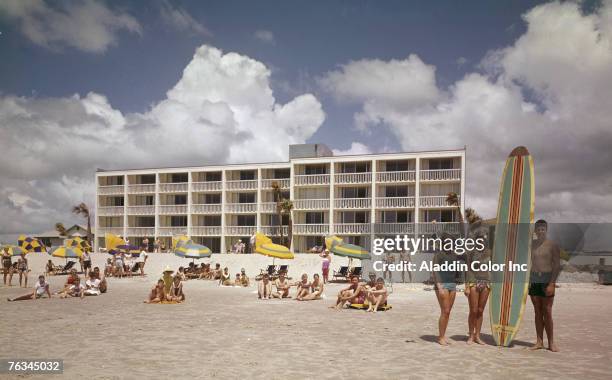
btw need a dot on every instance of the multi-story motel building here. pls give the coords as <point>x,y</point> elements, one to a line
<point>357,197</point>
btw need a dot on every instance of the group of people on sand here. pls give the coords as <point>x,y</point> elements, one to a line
<point>305,290</point>
<point>73,287</point>
<point>167,290</point>
<point>371,294</point>
<point>9,268</point>
<point>205,272</point>
<point>125,264</point>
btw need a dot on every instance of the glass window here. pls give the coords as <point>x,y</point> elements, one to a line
<point>180,199</point>
<point>315,169</point>
<point>247,175</point>
<point>178,177</point>
<point>147,179</point>
<point>177,221</point>
<point>314,218</point>
<point>282,173</point>
<point>212,199</point>
<point>212,176</point>
<point>246,220</point>
<point>246,198</point>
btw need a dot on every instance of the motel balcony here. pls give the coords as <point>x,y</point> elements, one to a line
<point>172,209</point>
<point>353,178</point>
<point>141,231</point>
<point>274,230</point>
<point>111,190</point>
<point>311,179</point>
<point>181,187</point>
<point>206,231</point>
<point>438,228</point>
<point>141,210</point>
<point>311,229</point>
<point>352,228</point>
<point>142,188</point>
<point>441,175</point>
<point>283,183</point>
<point>214,208</point>
<point>434,201</point>
<point>396,176</point>
<point>207,186</point>
<point>110,210</point>
<point>394,202</point>
<point>169,231</point>
<point>394,228</point>
<point>311,204</point>
<point>240,230</point>
<point>100,232</point>
<point>241,207</point>
<point>269,207</point>
<point>352,203</point>
<point>241,185</point>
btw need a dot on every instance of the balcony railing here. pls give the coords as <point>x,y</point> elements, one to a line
<point>172,209</point>
<point>206,230</point>
<point>283,183</point>
<point>241,207</point>
<point>439,227</point>
<point>110,210</point>
<point>311,229</point>
<point>141,231</point>
<point>274,230</point>
<point>268,207</point>
<point>349,203</point>
<point>207,186</point>
<point>396,176</point>
<point>100,232</point>
<point>141,210</point>
<point>173,187</point>
<point>352,228</point>
<point>348,178</point>
<point>241,185</point>
<point>434,201</point>
<point>169,231</point>
<point>141,188</point>
<point>311,204</point>
<point>206,208</point>
<point>394,228</point>
<point>240,230</point>
<point>395,202</point>
<point>311,179</point>
<point>441,175</point>
<point>111,190</point>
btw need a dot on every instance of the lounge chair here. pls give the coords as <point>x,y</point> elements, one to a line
<point>282,269</point>
<point>66,268</point>
<point>271,271</point>
<point>356,271</point>
<point>341,274</point>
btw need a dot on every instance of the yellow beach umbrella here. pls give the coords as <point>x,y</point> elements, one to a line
<point>264,246</point>
<point>30,244</point>
<point>66,252</point>
<point>178,240</point>
<point>13,250</point>
<point>111,241</point>
<point>337,246</point>
<point>78,243</point>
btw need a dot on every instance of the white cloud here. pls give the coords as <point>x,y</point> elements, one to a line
<point>265,36</point>
<point>88,26</point>
<point>221,110</point>
<point>355,148</point>
<point>180,19</point>
<point>562,61</point>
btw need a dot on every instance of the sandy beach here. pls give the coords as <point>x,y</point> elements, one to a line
<point>229,333</point>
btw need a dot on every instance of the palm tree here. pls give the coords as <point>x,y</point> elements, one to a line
<point>472,216</point>
<point>276,191</point>
<point>287,207</point>
<point>452,199</point>
<point>61,230</point>
<point>83,210</point>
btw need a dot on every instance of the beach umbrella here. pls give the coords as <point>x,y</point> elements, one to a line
<point>337,246</point>
<point>66,252</point>
<point>192,250</point>
<point>78,243</point>
<point>111,241</point>
<point>129,248</point>
<point>264,246</point>
<point>30,244</point>
<point>178,240</point>
<point>14,250</point>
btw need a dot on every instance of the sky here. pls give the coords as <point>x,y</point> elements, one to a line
<point>128,84</point>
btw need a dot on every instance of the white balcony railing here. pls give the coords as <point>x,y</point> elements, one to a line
<point>394,228</point>
<point>268,207</point>
<point>283,183</point>
<point>241,207</point>
<point>206,186</point>
<point>434,201</point>
<point>349,203</point>
<point>101,231</point>
<point>274,230</point>
<point>214,208</point>
<point>311,229</point>
<point>206,230</point>
<point>311,179</point>
<point>169,231</point>
<point>439,227</point>
<point>346,178</point>
<point>141,231</point>
<point>352,228</point>
<point>240,230</point>
<point>311,204</point>
<point>141,188</point>
<point>172,209</point>
<point>173,187</point>
<point>111,190</point>
<point>141,210</point>
<point>241,185</point>
<point>394,202</point>
<point>396,176</point>
<point>441,175</point>
<point>110,210</point>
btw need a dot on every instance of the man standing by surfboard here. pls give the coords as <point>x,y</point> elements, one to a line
<point>545,266</point>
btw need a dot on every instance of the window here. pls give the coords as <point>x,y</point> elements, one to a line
<point>396,166</point>
<point>212,176</point>
<point>247,175</point>
<point>396,217</point>
<point>116,201</point>
<point>144,200</point>
<point>315,169</point>
<point>145,221</point>
<point>147,179</point>
<point>354,167</point>
<point>178,221</point>
<point>354,192</point>
<point>246,198</point>
<point>315,218</point>
<point>180,199</point>
<point>112,181</point>
<point>211,220</point>
<point>282,173</point>
<point>179,177</point>
<point>441,216</point>
<point>314,241</point>
<point>440,163</point>
<point>396,191</point>
<point>354,217</point>
<point>246,220</point>
<point>274,220</point>
<point>212,199</point>
<point>214,243</point>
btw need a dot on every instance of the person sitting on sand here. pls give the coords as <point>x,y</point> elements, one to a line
<point>75,290</point>
<point>7,266</point>
<point>176,291</point>
<point>377,296</point>
<point>225,279</point>
<point>244,279</point>
<point>40,289</point>
<point>237,280</point>
<point>371,283</point>
<point>103,283</point>
<point>216,274</point>
<point>92,285</point>
<point>316,289</point>
<point>206,274</point>
<point>50,268</point>
<point>157,293</point>
<point>282,286</point>
<point>109,268</point>
<point>264,289</point>
<point>354,293</point>
<point>303,287</point>
<point>181,273</point>
<point>70,280</point>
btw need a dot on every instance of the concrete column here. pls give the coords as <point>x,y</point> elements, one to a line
<point>156,201</point>
<point>417,200</point>
<point>223,219</point>
<point>125,203</point>
<point>332,196</point>
<point>258,200</point>
<point>189,197</point>
<point>373,203</point>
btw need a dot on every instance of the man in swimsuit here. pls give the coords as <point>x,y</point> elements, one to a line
<point>22,268</point>
<point>545,267</point>
<point>354,293</point>
<point>282,287</point>
<point>377,296</point>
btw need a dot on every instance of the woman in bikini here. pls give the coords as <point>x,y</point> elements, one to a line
<point>176,291</point>
<point>446,290</point>
<point>303,288</point>
<point>7,266</point>
<point>477,287</point>
<point>354,293</point>
<point>157,294</point>
<point>225,279</point>
<point>282,287</point>
<point>377,296</point>
<point>316,289</point>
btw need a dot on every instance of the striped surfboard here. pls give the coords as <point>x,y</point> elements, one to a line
<point>512,245</point>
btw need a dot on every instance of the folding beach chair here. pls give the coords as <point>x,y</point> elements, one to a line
<point>342,274</point>
<point>66,268</point>
<point>356,271</point>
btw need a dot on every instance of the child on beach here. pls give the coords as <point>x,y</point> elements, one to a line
<point>40,289</point>
<point>237,282</point>
<point>75,290</point>
<point>157,293</point>
<point>244,279</point>
<point>92,285</point>
<point>377,296</point>
<point>264,289</point>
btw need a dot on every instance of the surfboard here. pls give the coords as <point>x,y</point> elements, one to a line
<point>512,246</point>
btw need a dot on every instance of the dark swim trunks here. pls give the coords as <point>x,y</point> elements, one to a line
<point>538,282</point>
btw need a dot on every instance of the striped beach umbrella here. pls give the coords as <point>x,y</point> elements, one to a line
<point>78,243</point>
<point>13,250</point>
<point>66,252</point>
<point>111,241</point>
<point>178,240</point>
<point>30,244</point>
<point>264,246</point>
<point>192,250</point>
<point>337,246</point>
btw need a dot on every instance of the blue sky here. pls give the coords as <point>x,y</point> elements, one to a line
<point>90,84</point>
